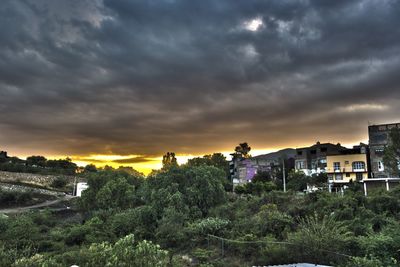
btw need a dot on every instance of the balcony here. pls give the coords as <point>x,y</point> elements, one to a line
<point>345,169</point>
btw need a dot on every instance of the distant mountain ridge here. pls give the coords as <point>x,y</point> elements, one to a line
<point>288,152</point>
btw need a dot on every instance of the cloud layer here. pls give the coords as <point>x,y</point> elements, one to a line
<point>128,77</point>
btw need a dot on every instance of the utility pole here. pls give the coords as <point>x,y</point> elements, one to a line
<point>74,189</point>
<point>284,175</point>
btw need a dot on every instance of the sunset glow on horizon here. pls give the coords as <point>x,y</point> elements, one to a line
<point>146,164</point>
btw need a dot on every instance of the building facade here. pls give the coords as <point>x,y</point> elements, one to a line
<point>346,166</point>
<point>379,138</point>
<point>244,169</point>
<point>313,160</point>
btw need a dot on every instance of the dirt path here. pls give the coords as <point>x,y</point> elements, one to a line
<point>41,205</point>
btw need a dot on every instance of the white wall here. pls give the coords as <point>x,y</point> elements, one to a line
<point>81,187</point>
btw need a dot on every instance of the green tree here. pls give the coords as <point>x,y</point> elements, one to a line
<point>64,166</point>
<point>320,239</point>
<point>169,233</point>
<point>392,153</point>
<point>37,161</point>
<point>169,161</point>
<point>217,160</point>
<point>200,188</point>
<point>110,189</point>
<point>243,149</point>
<point>90,168</point>
<point>125,252</point>
<point>59,182</point>
<point>140,221</point>
<point>297,181</point>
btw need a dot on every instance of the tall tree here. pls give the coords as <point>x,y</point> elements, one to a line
<point>169,160</point>
<point>243,149</point>
<point>38,161</point>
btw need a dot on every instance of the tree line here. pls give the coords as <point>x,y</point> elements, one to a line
<point>183,215</point>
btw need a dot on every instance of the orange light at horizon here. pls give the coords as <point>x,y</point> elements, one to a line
<point>146,164</point>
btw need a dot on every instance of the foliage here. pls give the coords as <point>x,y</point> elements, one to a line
<point>208,226</point>
<point>38,161</point>
<point>297,181</point>
<point>39,164</point>
<point>392,153</point>
<point>320,239</point>
<point>125,252</point>
<point>12,198</point>
<point>90,168</point>
<point>243,150</point>
<point>369,262</point>
<point>217,160</point>
<point>59,182</point>
<point>169,161</point>
<point>186,210</point>
<point>110,189</point>
<point>256,188</point>
<point>140,221</point>
<point>195,188</point>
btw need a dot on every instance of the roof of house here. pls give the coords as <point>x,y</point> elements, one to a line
<point>318,144</point>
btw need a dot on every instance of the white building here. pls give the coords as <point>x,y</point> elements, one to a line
<point>81,187</point>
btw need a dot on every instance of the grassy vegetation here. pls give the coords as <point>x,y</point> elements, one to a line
<point>11,199</point>
<point>195,222</point>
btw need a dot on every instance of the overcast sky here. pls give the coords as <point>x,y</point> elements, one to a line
<point>124,77</point>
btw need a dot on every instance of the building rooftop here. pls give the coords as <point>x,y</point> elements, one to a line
<point>318,144</point>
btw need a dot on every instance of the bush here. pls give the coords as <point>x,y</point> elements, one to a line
<point>59,182</point>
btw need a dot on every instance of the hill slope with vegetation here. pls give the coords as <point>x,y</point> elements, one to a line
<point>183,216</point>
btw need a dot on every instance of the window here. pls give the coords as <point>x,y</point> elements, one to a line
<point>380,166</point>
<point>338,177</point>
<point>313,152</point>
<point>336,166</point>
<point>314,164</point>
<point>346,162</point>
<point>324,149</point>
<point>359,176</point>
<point>347,174</point>
<point>358,165</point>
<point>299,153</point>
<point>379,151</point>
<point>300,165</point>
<point>242,173</point>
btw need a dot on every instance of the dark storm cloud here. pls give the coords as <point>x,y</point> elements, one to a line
<point>145,77</point>
<point>132,160</point>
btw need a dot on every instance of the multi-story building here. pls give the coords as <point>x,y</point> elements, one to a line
<point>244,169</point>
<point>312,160</point>
<point>379,138</point>
<point>347,165</point>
